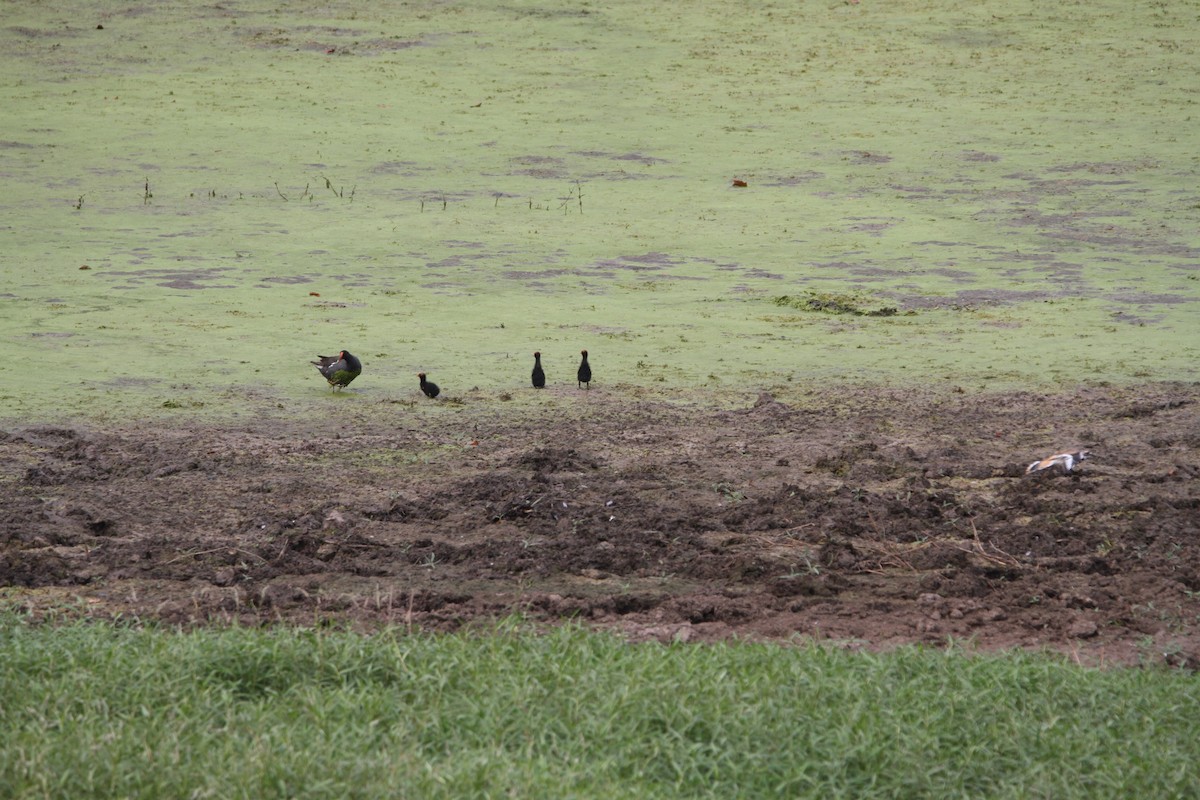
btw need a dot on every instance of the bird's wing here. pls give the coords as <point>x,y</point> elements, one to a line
<point>330,365</point>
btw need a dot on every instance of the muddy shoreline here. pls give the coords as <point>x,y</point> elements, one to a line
<point>864,517</point>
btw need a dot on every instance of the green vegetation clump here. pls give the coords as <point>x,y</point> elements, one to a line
<point>97,710</point>
<point>832,303</point>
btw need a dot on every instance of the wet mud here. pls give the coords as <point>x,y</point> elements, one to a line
<point>867,517</point>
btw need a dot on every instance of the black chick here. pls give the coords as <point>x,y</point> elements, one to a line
<point>428,387</point>
<point>585,371</point>
<point>339,370</point>
<point>539,377</point>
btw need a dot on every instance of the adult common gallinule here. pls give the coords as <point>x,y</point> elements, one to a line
<point>339,370</point>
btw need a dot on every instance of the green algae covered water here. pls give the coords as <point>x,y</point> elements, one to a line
<point>199,200</point>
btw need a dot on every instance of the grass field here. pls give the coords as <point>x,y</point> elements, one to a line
<point>122,711</point>
<point>449,187</point>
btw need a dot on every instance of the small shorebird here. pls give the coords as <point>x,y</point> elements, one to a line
<point>1066,461</point>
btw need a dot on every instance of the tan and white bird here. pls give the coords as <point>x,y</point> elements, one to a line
<point>1066,461</point>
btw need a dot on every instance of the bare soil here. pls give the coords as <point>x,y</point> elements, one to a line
<point>864,516</point>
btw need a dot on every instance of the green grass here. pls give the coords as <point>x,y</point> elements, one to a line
<point>95,710</point>
<point>403,179</point>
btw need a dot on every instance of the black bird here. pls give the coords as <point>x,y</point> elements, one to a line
<point>539,377</point>
<point>339,370</point>
<point>585,372</point>
<point>428,387</point>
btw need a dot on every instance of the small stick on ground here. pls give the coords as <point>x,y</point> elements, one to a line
<point>182,556</point>
<point>1004,558</point>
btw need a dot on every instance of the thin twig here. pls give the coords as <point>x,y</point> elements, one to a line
<point>1007,560</point>
<point>207,552</point>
